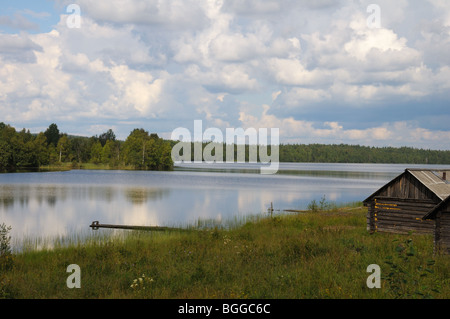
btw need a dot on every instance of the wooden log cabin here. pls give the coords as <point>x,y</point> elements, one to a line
<point>441,215</point>
<point>400,205</point>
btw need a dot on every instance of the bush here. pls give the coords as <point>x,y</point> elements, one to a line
<point>321,206</point>
<point>6,258</point>
<point>407,273</point>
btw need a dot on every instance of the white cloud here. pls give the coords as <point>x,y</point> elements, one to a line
<point>442,8</point>
<point>293,72</point>
<point>173,61</point>
<point>388,134</point>
<point>169,13</point>
<point>298,96</point>
<point>252,7</point>
<point>18,48</point>
<point>18,22</point>
<point>229,78</point>
<point>136,90</point>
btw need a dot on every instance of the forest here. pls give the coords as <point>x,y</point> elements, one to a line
<point>24,150</point>
<point>147,151</point>
<point>344,153</point>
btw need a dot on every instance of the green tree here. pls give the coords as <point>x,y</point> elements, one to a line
<point>106,153</point>
<point>144,151</point>
<point>22,147</point>
<point>52,134</point>
<point>116,153</point>
<point>40,150</point>
<point>107,136</point>
<point>5,155</point>
<point>53,156</point>
<point>6,150</point>
<point>166,162</point>
<point>135,148</point>
<point>63,148</point>
<point>78,148</point>
<point>96,152</point>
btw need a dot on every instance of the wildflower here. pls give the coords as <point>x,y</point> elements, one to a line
<point>141,283</point>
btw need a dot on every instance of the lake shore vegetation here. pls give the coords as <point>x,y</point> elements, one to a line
<point>320,254</point>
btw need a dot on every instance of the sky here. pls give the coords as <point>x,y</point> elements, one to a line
<point>357,72</point>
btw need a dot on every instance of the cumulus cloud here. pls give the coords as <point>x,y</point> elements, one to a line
<point>170,13</point>
<point>387,134</point>
<point>18,21</point>
<point>18,48</point>
<point>314,69</point>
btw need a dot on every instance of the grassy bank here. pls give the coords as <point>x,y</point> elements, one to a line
<point>322,254</point>
<point>88,166</point>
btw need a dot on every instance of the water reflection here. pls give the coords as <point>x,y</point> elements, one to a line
<point>21,195</point>
<point>60,203</point>
<point>140,195</point>
<point>58,210</point>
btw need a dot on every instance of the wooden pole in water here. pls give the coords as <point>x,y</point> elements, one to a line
<point>96,225</point>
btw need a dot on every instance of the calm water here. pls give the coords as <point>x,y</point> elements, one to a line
<point>61,203</point>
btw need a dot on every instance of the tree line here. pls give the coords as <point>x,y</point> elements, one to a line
<point>145,151</point>
<point>24,150</point>
<point>344,153</point>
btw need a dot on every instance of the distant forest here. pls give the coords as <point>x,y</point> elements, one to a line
<point>147,151</point>
<point>344,153</point>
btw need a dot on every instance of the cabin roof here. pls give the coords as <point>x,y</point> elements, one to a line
<point>432,213</point>
<point>433,179</point>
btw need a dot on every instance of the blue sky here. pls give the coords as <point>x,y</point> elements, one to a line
<point>27,15</point>
<point>318,70</point>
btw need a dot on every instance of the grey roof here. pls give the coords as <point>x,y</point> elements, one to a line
<point>433,180</point>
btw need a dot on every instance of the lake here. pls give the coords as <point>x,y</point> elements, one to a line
<point>57,204</point>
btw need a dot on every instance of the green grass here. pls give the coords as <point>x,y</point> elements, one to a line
<point>321,254</point>
<point>103,166</point>
<point>87,166</point>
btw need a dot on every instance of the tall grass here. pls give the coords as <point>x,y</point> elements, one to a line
<point>321,254</point>
<point>324,204</point>
<point>30,244</point>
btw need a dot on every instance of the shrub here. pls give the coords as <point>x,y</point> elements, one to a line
<point>6,260</point>
<point>407,273</point>
<point>321,206</point>
<point>5,240</point>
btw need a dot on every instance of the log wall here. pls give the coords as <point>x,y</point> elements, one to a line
<point>398,207</point>
<point>402,216</point>
<point>442,231</point>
